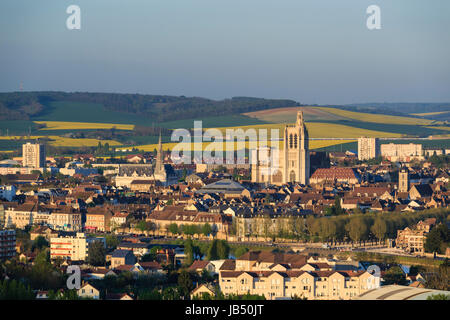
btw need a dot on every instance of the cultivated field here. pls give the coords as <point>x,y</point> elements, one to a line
<point>323,130</point>
<point>430,113</point>
<point>440,128</point>
<point>313,144</point>
<point>378,118</point>
<point>58,141</point>
<point>66,125</point>
<point>286,115</point>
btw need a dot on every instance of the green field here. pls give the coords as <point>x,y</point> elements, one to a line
<point>214,122</point>
<point>88,112</point>
<point>321,122</point>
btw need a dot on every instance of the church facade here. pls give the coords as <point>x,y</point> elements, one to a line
<point>161,172</point>
<point>293,163</point>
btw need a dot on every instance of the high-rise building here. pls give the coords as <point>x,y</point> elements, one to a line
<point>33,155</point>
<point>7,244</point>
<point>293,163</point>
<point>368,148</point>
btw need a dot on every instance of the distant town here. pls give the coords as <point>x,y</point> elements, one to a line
<point>372,223</point>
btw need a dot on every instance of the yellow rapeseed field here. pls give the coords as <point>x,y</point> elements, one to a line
<point>66,125</point>
<point>378,118</point>
<point>321,130</point>
<point>429,113</point>
<point>65,142</point>
<point>69,142</point>
<point>313,144</point>
<point>440,128</point>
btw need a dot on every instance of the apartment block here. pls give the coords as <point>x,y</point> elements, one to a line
<point>311,285</point>
<point>368,148</point>
<point>72,248</point>
<point>7,244</point>
<point>402,152</point>
<point>33,155</point>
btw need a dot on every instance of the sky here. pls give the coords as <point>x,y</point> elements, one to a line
<point>312,51</point>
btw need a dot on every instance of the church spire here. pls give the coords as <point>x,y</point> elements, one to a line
<point>159,155</point>
<point>300,118</point>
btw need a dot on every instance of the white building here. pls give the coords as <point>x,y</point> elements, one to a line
<point>67,221</point>
<point>368,148</point>
<point>402,152</point>
<point>72,248</point>
<point>33,155</point>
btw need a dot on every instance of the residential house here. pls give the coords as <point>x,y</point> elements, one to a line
<point>88,291</point>
<point>122,257</point>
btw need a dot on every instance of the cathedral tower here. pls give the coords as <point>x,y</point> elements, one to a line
<point>296,152</point>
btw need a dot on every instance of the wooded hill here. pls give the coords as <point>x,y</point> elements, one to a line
<point>29,105</point>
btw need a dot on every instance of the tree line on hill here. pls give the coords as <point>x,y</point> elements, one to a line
<point>26,105</point>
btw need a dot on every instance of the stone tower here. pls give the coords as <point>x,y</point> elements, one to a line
<point>296,152</point>
<point>292,162</point>
<point>403,180</point>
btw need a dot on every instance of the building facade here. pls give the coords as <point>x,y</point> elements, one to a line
<point>72,248</point>
<point>66,221</point>
<point>26,214</point>
<point>7,244</point>
<point>368,148</point>
<point>293,163</point>
<point>402,152</point>
<point>285,276</point>
<point>33,155</point>
<point>413,239</point>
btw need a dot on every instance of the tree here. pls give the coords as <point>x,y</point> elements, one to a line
<point>335,209</point>
<point>240,251</point>
<point>379,228</point>
<point>15,290</point>
<point>112,241</point>
<point>171,293</point>
<point>437,239</point>
<point>173,228</point>
<point>327,229</point>
<point>40,242</point>
<point>439,296</point>
<point>206,229</point>
<point>395,275</point>
<point>357,229</point>
<point>223,249</point>
<point>441,279</point>
<point>143,226</point>
<point>96,254</point>
<point>189,251</point>
<point>212,251</point>
<point>150,295</point>
<point>185,284</point>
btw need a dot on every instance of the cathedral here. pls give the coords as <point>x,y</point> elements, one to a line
<point>293,159</point>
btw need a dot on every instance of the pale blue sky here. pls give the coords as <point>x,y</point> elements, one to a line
<point>314,51</point>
